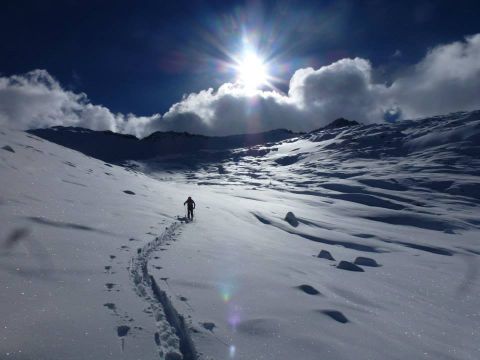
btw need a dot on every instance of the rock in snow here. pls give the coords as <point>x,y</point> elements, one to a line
<point>365,261</point>
<point>347,265</point>
<point>8,148</point>
<point>291,219</point>
<point>324,254</point>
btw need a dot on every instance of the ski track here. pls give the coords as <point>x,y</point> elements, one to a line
<point>172,336</point>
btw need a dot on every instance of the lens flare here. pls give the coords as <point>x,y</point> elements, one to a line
<point>226,291</point>
<point>252,71</point>
<point>231,351</point>
<point>226,296</point>
<point>234,319</point>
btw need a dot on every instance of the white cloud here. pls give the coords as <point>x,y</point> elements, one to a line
<point>36,99</point>
<point>342,89</point>
<point>447,79</point>
<point>316,97</point>
<point>231,109</point>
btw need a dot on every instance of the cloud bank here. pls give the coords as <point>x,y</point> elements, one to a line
<point>447,79</point>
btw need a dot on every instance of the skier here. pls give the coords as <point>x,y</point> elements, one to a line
<point>190,206</point>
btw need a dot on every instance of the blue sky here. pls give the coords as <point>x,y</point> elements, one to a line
<point>143,57</point>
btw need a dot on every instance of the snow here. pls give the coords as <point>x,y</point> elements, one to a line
<point>68,233</point>
<point>358,242</point>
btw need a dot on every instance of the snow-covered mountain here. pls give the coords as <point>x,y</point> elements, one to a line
<point>114,147</point>
<point>348,242</point>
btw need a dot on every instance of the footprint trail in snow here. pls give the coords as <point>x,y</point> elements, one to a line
<point>172,337</point>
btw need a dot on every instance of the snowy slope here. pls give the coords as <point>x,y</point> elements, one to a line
<point>400,201</point>
<point>69,233</point>
<point>404,195</point>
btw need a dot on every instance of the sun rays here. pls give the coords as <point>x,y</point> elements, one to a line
<point>252,72</point>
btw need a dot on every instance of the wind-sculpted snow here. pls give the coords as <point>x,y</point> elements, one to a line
<point>392,205</point>
<point>352,242</point>
<point>374,164</point>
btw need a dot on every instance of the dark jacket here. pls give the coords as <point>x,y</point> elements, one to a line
<point>190,203</point>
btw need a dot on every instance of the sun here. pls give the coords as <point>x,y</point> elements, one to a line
<point>251,71</point>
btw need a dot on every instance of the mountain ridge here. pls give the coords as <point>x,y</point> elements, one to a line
<point>110,146</point>
<point>344,137</point>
